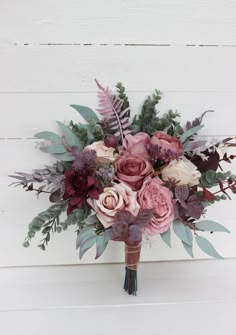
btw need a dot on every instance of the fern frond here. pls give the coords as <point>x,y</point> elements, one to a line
<point>110,107</point>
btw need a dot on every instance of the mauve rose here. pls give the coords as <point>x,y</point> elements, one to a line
<point>114,198</point>
<point>170,146</point>
<point>133,170</point>
<point>159,199</point>
<point>137,144</point>
<point>102,151</point>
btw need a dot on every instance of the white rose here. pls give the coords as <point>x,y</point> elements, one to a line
<point>101,150</point>
<point>183,171</point>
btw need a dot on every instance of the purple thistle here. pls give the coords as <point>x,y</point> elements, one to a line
<point>154,151</point>
<point>83,159</point>
<point>157,152</point>
<point>105,174</point>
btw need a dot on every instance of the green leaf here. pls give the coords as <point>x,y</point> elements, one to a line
<point>208,225</point>
<point>101,245</point>
<point>207,247</point>
<point>92,219</point>
<point>49,136</point>
<point>190,132</point>
<point>87,113</point>
<point>84,235</point>
<point>54,149</point>
<point>86,245</point>
<point>71,138</point>
<point>36,224</point>
<point>211,176</point>
<point>66,157</point>
<point>188,248</point>
<point>166,237</point>
<point>183,232</point>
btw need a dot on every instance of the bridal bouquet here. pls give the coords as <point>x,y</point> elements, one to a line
<point>124,179</point>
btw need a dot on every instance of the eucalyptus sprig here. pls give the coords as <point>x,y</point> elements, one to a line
<point>47,222</point>
<point>122,95</point>
<point>148,121</point>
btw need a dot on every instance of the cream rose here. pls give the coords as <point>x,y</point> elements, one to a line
<point>115,198</point>
<point>102,150</point>
<point>183,171</point>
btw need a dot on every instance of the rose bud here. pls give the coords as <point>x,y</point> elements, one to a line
<point>111,141</point>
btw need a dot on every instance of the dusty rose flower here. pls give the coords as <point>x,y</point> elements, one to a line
<point>113,199</point>
<point>137,144</point>
<point>183,171</point>
<point>101,150</point>
<point>133,170</point>
<point>169,147</point>
<point>159,199</point>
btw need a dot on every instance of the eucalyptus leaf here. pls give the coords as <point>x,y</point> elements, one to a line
<point>183,232</point>
<point>188,248</point>
<point>72,218</point>
<point>108,234</point>
<point>84,235</point>
<point>36,224</point>
<point>208,225</point>
<point>87,113</point>
<point>71,138</point>
<point>190,133</point>
<point>86,245</point>
<point>49,136</point>
<point>207,247</point>
<point>166,237</point>
<point>54,149</point>
<point>101,245</point>
<point>66,157</point>
<point>92,219</point>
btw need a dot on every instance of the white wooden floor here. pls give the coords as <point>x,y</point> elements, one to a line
<point>184,297</point>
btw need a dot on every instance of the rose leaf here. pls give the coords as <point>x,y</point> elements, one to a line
<point>182,192</point>
<point>195,207</point>
<point>135,236</point>
<point>120,230</point>
<point>143,218</point>
<point>125,217</point>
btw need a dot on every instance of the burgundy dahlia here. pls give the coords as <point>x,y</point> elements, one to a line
<point>79,185</point>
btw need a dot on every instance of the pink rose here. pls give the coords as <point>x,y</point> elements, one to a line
<point>170,147</point>
<point>159,199</point>
<point>114,198</point>
<point>137,144</point>
<point>133,170</point>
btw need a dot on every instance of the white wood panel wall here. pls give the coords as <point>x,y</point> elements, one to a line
<point>50,53</point>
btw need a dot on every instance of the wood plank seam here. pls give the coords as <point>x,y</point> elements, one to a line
<point>119,44</point>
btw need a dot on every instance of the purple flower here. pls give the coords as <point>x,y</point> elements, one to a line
<point>83,159</point>
<point>79,185</point>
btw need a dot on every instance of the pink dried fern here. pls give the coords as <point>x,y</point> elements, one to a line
<point>110,107</point>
